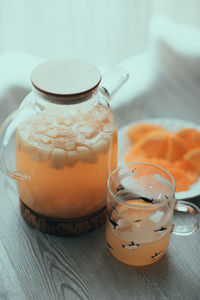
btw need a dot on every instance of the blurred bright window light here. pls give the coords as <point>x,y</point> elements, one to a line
<point>102,31</point>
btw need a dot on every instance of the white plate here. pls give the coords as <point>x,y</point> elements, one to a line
<point>172,125</point>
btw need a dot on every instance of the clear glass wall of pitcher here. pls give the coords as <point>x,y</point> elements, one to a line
<point>65,139</point>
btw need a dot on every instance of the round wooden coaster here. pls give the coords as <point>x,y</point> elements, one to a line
<point>63,227</point>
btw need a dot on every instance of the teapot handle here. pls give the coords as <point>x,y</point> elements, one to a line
<point>112,80</point>
<point>6,132</point>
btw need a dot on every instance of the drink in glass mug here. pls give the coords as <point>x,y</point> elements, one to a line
<point>140,205</point>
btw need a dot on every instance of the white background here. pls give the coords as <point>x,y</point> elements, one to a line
<point>102,31</point>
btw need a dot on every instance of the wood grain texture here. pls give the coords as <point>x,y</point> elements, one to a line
<point>50,267</point>
<point>10,287</point>
<point>41,266</point>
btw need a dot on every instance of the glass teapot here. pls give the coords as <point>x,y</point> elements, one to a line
<point>64,137</point>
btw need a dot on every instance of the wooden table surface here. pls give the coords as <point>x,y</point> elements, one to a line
<point>34,265</point>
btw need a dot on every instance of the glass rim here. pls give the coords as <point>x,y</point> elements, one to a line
<point>120,201</point>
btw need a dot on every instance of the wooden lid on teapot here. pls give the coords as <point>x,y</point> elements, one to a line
<point>66,78</point>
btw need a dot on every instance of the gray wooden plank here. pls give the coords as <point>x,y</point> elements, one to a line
<point>10,287</point>
<point>50,267</point>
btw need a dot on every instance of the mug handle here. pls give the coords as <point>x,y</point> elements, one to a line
<point>186,207</point>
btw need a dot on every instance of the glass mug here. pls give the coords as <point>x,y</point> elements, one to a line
<point>140,207</point>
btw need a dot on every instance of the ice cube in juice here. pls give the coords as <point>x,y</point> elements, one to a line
<point>68,157</point>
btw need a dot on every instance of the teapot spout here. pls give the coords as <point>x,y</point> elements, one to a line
<point>112,80</point>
